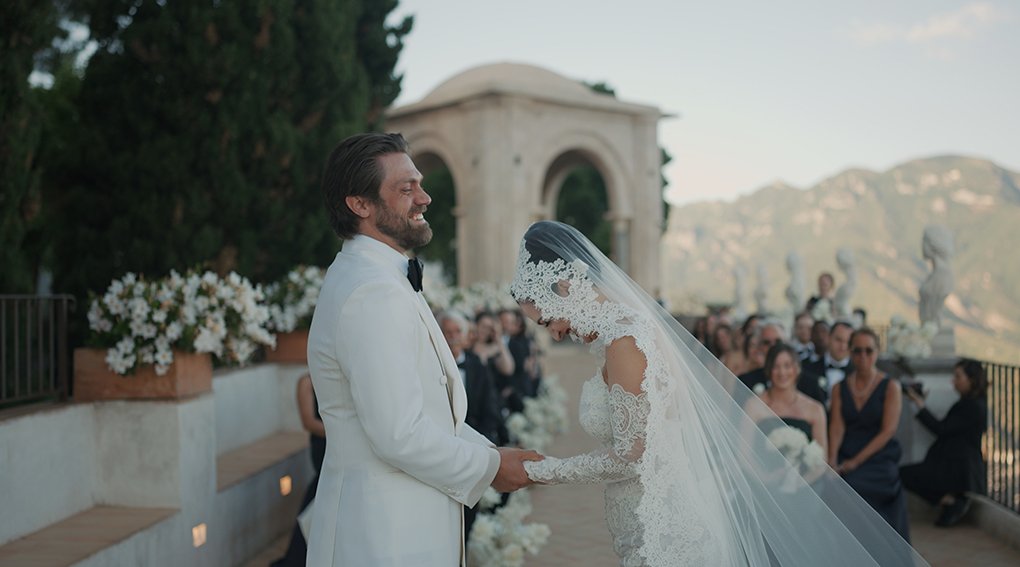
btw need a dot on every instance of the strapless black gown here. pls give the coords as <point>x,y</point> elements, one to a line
<point>771,424</point>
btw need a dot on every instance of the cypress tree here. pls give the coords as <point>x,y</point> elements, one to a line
<point>27,28</point>
<point>203,129</point>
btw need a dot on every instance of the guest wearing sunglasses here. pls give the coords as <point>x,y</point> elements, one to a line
<point>769,335</point>
<point>862,444</point>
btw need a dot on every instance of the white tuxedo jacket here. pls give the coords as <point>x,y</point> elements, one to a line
<point>400,461</point>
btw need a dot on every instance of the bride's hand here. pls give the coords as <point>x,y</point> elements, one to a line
<point>536,468</point>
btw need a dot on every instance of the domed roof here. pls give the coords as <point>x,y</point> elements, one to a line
<point>516,79</point>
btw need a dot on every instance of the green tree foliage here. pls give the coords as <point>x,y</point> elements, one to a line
<point>27,28</point>
<point>443,247</point>
<point>582,203</point>
<point>201,128</point>
<point>379,46</point>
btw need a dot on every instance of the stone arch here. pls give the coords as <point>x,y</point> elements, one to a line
<point>570,149</point>
<point>509,133</point>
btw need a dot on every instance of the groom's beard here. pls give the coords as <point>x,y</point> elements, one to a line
<point>401,229</point>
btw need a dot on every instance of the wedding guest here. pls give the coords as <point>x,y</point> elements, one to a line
<point>953,465</point>
<point>860,317</point>
<point>826,292</point>
<point>750,325</point>
<point>308,411</point>
<point>836,364</point>
<point>819,339</point>
<point>490,347</point>
<point>862,444</point>
<point>700,331</point>
<point>770,334</point>
<point>790,405</point>
<point>483,411</point>
<point>517,385</point>
<point>735,359</point>
<point>483,407</point>
<point>801,341</point>
<point>765,337</point>
<point>471,337</point>
<point>722,340</point>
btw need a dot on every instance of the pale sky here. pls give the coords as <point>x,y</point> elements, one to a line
<point>765,91</point>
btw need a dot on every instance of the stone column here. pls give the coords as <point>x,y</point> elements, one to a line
<point>621,244</point>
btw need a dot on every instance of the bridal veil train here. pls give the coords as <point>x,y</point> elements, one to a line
<point>709,488</point>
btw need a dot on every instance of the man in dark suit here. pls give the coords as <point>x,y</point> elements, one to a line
<point>766,337</point>
<point>833,367</point>
<point>483,402</point>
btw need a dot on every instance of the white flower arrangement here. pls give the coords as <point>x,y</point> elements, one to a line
<point>476,297</point>
<point>501,538</point>
<point>822,311</point>
<point>544,416</point>
<point>910,340</point>
<point>291,300</point>
<point>795,446</point>
<point>143,322</point>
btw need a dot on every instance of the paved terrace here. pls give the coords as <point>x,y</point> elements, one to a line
<point>577,519</point>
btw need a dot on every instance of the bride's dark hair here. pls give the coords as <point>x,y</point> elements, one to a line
<point>548,241</point>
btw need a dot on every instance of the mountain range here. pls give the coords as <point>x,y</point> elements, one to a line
<point>881,217</point>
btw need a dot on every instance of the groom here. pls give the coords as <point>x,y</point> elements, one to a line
<point>400,462</point>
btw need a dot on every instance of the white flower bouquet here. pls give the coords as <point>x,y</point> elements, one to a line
<point>142,322</point>
<point>291,300</point>
<point>794,445</point>
<point>501,538</point>
<point>910,340</point>
<point>544,416</point>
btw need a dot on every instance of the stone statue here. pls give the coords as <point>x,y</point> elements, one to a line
<point>739,292</point>
<point>795,291</point>
<point>761,292</point>
<point>846,262</point>
<point>937,246</point>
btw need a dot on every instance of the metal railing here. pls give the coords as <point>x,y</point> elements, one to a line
<point>1002,440</point>
<point>34,350</point>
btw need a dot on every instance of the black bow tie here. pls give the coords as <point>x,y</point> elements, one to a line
<point>836,366</point>
<point>414,268</point>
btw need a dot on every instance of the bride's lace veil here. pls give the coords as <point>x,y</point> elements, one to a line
<point>716,491</point>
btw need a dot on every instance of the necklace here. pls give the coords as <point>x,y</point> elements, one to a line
<point>788,403</point>
<point>855,388</point>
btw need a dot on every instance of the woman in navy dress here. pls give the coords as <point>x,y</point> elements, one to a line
<point>862,444</point>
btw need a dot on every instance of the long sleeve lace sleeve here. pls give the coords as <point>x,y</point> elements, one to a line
<point>628,417</point>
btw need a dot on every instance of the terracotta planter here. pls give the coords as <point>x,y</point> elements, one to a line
<point>290,348</point>
<point>189,375</point>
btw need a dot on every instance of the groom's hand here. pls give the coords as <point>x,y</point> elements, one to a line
<point>511,475</point>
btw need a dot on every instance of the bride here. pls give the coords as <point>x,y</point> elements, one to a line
<point>690,479</point>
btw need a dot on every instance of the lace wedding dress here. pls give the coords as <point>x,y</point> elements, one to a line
<point>618,419</point>
<point>690,478</point>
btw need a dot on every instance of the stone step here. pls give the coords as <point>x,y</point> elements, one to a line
<point>80,536</point>
<point>234,466</point>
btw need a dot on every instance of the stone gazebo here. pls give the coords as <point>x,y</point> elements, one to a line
<point>509,135</point>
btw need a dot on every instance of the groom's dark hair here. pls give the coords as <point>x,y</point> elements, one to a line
<point>353,170</point>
